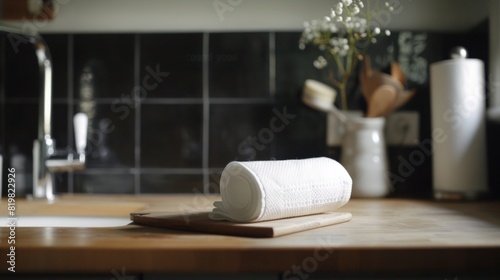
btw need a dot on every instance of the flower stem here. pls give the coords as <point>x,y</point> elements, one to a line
<point>343,96</point>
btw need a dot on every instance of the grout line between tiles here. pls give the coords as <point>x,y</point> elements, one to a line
<point>272,80</point>
<point>137,130</point>
<point>172,101</point>
<point>163,101</point>
<point>2,73</point>
<point>3,113</point>
<point>150,170</point>
<point>3,105</point>
<point>173,171</point>
<point>70,97</point>
<point>70,100</point>
<point>272,64</point>
<point>33,100</point>
<point>107,171</point>
<point>206,113</point>
<point>249,101</point>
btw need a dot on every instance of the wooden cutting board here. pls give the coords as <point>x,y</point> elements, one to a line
<point>199,222</point>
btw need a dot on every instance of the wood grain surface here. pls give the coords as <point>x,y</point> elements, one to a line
<point>384,236</point>
<point>200,222</point>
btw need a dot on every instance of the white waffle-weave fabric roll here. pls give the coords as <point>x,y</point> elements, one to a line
<point>255,191</point>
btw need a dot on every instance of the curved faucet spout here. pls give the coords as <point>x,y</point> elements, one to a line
<point>44,146</point>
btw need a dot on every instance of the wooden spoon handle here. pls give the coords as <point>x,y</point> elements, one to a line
<point>398,73</point>
<point>381,102</point>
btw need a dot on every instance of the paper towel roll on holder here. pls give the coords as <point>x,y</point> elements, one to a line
<point>459,52</point>
<point>454,82</point>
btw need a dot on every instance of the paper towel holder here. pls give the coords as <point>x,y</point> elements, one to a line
<point>458,52</point>
<point>470,181</point>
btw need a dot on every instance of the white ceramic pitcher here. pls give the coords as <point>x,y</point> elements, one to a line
<point>364,155</point>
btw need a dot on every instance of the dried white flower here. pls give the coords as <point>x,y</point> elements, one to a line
<point>320,62</point>
<point>332,14</point>
<point>344,35</point>
<point>339,9</point>
<point>347,2</point>
<point>355,9</point>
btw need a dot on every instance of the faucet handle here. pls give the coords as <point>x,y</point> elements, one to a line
<point>81,121</point>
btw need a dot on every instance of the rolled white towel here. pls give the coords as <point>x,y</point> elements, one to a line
<point>266,190</point>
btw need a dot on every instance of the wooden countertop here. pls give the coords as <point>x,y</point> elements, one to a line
<point>384,236</point>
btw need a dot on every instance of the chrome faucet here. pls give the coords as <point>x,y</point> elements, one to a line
<point>44,145</point>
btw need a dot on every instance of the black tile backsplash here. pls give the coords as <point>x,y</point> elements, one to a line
<point>104,183</point>
<point>21,75</point>
<point>169,110</point>
<point>305,135</point>
<point>171,183</point>
<point>293,66</point>
<point>21,124</point>
<point>109,59</point>
<point>171,136</point>
<point>111,135</point>
<point>238,65</point>
<point>59,124</point>
<point>174,64</point>
<point>239,132</point>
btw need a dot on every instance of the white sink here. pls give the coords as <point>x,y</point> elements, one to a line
<point>65,221</point>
